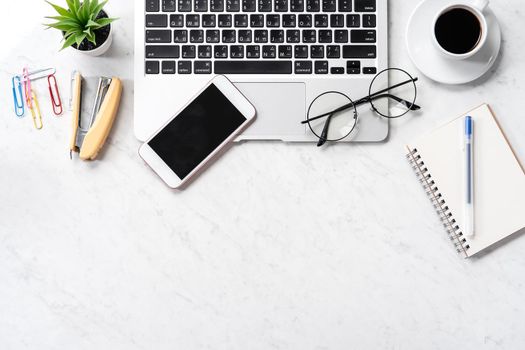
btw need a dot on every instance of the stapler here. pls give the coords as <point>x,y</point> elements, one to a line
<point>92,123</point>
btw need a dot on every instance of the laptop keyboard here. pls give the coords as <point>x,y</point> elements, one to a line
<point>260,37</point>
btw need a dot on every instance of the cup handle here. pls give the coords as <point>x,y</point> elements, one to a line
<point>480,4</point>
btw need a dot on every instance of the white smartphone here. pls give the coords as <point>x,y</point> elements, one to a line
<point>212,119</point>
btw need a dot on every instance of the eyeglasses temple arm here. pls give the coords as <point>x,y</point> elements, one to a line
<point>337,110</point>
<point>324,134</point>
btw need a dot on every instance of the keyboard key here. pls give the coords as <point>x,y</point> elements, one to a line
<point>176,21</point>
<point>201,5</point>
<point>253,51</point>
<point>305,21</point>
<point>353,64</point>
<point>272,21</point>
<point>208,21</point>
<point>333,51</point>
<point>370,70</point>
<point>277,36</point>
<point>341,36</point>
<point>180,36</point>
<point>220,51</point>
<point>265,5</point>
<point>156,21</point>
<point>249,5</point>
<point>297,5</point>
<point>329,6</point>
<point>353,21</point>
<point>168,67</point>
<point>345,5</point>
<point>152,67</point>
<point>237,51</point>
<point>233,5</point>
<point>280,5</point>
<point>228,36</point>
<point>293,36</point>
<point>359,51</point>
<point>204,51</point>
<point>325,36</point>
<point>188,51</point>
<point>301,51</point>
<point>192,21</point>
<point>202,67</point>
<point>240,21</point>
<point>225,21</point>
<point>184,67</point>
<point>253,67</point>
<point>158,36</point>
<point>217,5</point>
<point>365,5</point>
<point>256,21</point>
<point>196,36</point>
<point>152,6</point>
<point>285,51</point>
<point>309,36</point>
<point>353,67</point>
<point>321,21</point>
<point>363,36</point>
<point>317,51</point>
<point>337,21</point>
<point>244,36</point>
<point>268,51</point>
<point>169,5</point>
<point>184,5</point>
<point>303,67</point>
<point>369,21</point>
<point>213,36</point>
<point>337,70</point>
<point>313,5</point>
<point>260,36</point>
<point>162,51</point>
<point>321,67</point>
<point>289,21</point>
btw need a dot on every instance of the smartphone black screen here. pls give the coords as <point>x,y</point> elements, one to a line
<point>197,131</point>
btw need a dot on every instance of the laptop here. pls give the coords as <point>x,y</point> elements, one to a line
<point>281,54</point>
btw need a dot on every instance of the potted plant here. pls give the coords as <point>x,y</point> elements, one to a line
<point>84,25</point>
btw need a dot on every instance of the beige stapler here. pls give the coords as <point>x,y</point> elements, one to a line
<point>92,123</point>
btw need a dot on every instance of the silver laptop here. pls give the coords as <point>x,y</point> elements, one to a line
<point>281,54</point>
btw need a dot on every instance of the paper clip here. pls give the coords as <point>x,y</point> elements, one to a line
<point>18,97</point>
<point>35,111</point>
<point>27,87</point>
<point>54,94</point>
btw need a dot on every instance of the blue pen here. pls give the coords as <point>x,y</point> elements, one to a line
<point>469,177</point>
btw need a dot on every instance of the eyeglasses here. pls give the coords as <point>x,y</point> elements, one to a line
<point>332,116</point>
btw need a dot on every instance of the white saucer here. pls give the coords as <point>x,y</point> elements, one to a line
<point>429,60</point>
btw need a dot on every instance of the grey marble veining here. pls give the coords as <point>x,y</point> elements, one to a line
<point>277,246</point>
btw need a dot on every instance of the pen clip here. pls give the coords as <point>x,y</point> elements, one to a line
<point>54,94</point>
<point>35,112</point>
<point>18,97</point>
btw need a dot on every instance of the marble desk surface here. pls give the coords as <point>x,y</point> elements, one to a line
<point>277,246</point>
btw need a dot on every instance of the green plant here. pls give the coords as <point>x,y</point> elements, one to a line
<point>79,21</point>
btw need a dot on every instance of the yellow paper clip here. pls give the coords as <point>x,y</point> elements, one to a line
<point>34,107</point>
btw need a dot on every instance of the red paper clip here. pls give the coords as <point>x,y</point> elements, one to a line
<point>54,94</point>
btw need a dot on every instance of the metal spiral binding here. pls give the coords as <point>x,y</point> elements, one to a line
<point>439,203</point>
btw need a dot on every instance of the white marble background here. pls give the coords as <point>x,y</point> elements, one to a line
<point>277,246</point>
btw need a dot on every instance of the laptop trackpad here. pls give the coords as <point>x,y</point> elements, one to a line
<point>280,109</point>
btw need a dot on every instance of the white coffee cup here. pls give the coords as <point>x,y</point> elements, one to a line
<point>477,8</point>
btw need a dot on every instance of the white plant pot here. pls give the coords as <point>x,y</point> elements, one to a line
<point>102,48</point>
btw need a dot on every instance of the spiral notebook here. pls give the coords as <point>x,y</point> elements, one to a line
<point>499,181</point>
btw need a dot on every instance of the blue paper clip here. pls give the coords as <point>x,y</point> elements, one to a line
<point>18,97</point>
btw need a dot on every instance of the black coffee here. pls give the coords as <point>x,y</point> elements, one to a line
<point>458,31</point>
